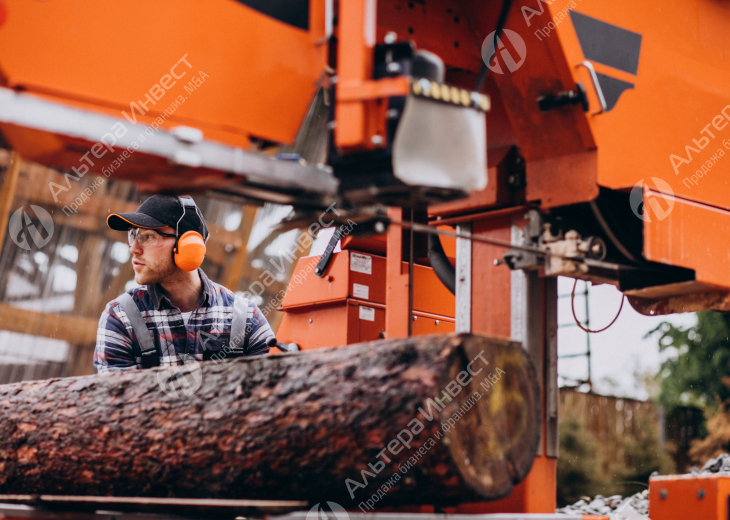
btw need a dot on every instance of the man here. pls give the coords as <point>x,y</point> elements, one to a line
<point>176,314</point>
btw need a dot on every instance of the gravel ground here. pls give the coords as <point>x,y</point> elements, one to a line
<point>635,507</point>
<point>719,465</point>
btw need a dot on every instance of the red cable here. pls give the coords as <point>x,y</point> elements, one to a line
<point>572,307</point>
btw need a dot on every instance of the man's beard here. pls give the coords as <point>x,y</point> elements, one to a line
<point>155,275</point>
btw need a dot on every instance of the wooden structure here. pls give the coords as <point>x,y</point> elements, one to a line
<point>609,419</point>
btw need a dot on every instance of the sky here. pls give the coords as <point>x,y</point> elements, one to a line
<point>616,353</point>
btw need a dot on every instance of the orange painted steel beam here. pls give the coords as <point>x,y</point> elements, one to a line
<point>382,88</point>
<point>396,279</point>
<point>356,38</point>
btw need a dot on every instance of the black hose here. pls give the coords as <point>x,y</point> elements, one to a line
<point>501,21</point>
<point>440,263</point>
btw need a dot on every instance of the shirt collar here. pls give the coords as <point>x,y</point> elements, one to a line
<point>157,296</point>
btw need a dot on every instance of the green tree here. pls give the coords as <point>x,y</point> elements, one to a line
<point>697,372</point>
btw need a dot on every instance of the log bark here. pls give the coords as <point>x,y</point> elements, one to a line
<point>289,427</point>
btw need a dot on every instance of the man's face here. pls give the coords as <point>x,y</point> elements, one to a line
<point>153,264</point>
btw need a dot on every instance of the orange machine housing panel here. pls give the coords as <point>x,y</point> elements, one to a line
<point>340,281</point>
<point>337,310</point>
<point>689,235</point>
<point>684,497</point>
<point>103,56</point>
<point>332,325</point>
<point>350,272</point>
<point>678,89</point>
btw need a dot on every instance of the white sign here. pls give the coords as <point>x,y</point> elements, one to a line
<point>367,313</point>
<point>360,291</point>
<point>361,263</point>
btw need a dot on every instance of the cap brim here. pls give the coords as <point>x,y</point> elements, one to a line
<point>124,221</point>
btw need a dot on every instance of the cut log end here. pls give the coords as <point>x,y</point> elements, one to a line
<point>494,441</point>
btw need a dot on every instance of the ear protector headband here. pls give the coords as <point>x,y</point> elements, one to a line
<point>189,250</point>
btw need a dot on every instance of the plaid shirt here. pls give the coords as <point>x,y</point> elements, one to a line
<point>207,334</point>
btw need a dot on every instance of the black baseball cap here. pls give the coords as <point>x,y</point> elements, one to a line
<point>157,212</point>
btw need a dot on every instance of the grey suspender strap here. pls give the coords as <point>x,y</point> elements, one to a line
<point>150,357</point>
<point>239,338</point>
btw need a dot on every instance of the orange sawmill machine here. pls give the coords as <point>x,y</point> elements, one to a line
<point>482,148</point>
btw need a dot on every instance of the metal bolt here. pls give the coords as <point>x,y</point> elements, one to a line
<point>310,320</point>
<point>390,37</point>
<point>415,318</point>
<point>663,494</point>
<point>393,67</point>
<point>700,494</point>
<point>379,227</point>
<point>437,322</point>
<point>392,113</point>
<point>376,140</point>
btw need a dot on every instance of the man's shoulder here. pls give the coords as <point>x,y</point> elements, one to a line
<point>139,294</point>
<point>222,295</point>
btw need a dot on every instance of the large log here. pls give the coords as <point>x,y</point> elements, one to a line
<point>293,427</point>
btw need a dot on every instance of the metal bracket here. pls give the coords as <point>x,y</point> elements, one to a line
<point>324,260</point>
<point>520,259</point>
<point>596,85</point>
<point>571,97</point>
<point>463,279</point>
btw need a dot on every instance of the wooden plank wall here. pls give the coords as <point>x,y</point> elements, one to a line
<point>608,418</point>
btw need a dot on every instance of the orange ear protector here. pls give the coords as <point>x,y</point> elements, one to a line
<point>189,250</point>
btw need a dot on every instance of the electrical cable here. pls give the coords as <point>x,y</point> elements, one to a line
<point>501,21</point>
<point>440,263</point>
<point>609,233</point>
<point>572,307</point>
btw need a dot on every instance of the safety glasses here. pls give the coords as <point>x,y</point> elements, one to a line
<point>146,237</point>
